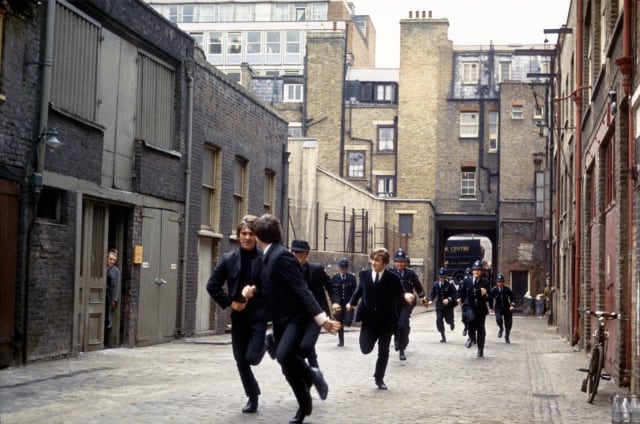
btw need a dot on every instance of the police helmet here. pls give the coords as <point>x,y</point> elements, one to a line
<point>477,265</point>
<point>400,255</point>
<point>442,272</point>
<point>500,278</point>
<point>467,271</point>
<point>344,263</point>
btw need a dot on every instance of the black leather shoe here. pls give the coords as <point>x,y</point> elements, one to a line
<point>480,353</point>
<point>500,333</point>
<point>321,385</point>
<point>464,332</point>
<point>298,418</point>
<point>402,356</point>
<point>453,327</point>
<point>381,385</point>
<point>506,339</point>
<point>340,344</point>
<point>270,342</point>
<point>443,339</point>
<point>251,406</point>
<point>468,343</point>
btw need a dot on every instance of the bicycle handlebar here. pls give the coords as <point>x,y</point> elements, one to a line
<point>603,314</point>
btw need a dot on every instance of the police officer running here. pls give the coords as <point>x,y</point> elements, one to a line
<point>412,286</point>
<point>503,305</point>
<point>444,294</point>
<point>343,284</point>
<point>475,295</point>
<point>467,277</point>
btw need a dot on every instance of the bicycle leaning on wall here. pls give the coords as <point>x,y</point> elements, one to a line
<point>594,372</point>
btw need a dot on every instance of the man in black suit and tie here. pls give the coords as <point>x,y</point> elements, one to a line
<point>290,305</point>
<point>381,295</point>
<point>319,284</point>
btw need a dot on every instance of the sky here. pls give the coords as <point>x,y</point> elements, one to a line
<point>477,22</point>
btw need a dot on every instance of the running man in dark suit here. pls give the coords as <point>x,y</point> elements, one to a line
<point>289,305</point>
<point>248,323</point>
<point>381,296</point>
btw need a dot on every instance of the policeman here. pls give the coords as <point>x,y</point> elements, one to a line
<point>444,294</point>
<point>475,296</point>
<point>343,284</point>
<point>412,286</point>
<point>467,276</point>
<point>503,305</point>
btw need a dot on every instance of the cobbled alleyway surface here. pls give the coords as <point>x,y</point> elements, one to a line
<point>535,379</point>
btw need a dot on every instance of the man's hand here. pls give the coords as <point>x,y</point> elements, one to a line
<point>409,298</point>
<point>331,326</point>
<point>483,291</point>
<point>349,307</point>
<point>238,306</point>
<point>445,302</point>
<point>335,307</point>
<point>248,291</point>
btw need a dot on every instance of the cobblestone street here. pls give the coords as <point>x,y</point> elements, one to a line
<point>535,379</point>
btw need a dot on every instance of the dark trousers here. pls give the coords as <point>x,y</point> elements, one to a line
<point>369,335</point>
<point>308,344</point>
<point>403,328</point>
<point>476,325</point>
<point>288,336</point>
<point>443,314</point>
<point>504,318</point>
<point>345,318</point>
<point>247,342</point>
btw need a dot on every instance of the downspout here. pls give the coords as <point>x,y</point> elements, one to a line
<point>345,66</point>
<point>578,174</point>
<point>625,64</point>
<point>47,70</point>
<point>187,199</point>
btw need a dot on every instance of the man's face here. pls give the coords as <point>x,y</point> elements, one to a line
<point>500,283</point>
<point>377,264</point>
<point>476,273</point>
<point>400,264</point>
<point>302,257</point>
<point>247,239</point>
<point>112,258</point>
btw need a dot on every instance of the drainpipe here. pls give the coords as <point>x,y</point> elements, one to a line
<point>578,173</point>
<point>187,199</point>
<point>625,64</point>
<point>47,69</point>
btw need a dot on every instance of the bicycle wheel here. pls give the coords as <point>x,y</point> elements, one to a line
<point>595,371</point>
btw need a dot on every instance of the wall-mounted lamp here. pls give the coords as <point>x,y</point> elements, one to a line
<point>50,139</point>
<point>613,98</point>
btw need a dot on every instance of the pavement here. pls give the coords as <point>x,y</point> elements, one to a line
<point>535,379</point>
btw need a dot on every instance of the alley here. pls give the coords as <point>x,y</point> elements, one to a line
<point>532,380</point>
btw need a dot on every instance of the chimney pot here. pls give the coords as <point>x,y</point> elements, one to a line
<point>410,14</point>
<point>430,14</point>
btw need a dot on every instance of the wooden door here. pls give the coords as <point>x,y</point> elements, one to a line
<point>9,213</point>
<point>93,275</point>
<point>611,285</point>
<point>203,299</point>
<point>158,277</point>
<point>520,286</point>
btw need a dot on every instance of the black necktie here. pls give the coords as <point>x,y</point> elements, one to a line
<point>377,278</point>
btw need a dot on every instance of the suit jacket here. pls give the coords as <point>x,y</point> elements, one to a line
<point>381,302</point>
<point>447,291</point>
<point>502,300</point>
<point>283,288</point>
<point>342,290</point>
<point>319,284</point>
<point>471,297</point>
<point>228,270</point>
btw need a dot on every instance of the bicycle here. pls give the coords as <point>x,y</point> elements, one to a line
<point>594,372</point>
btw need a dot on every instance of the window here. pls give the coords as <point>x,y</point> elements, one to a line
<point>538,112</point>
<point>493,131</point>
<point>386,139</point>
<point>318,11</point>
<point>272,56</point>
<point>468,185</point>
<point>235,76</point>
<point>234,47</point>
<point>214,51</point>
<point>198,38</point>
<point>405,223</point>
<point>50,204</point>
<point>517,112</point>
<point>281,13</point>
<point>292,93</point>
<point>355,163</point>
<point>155,103</point>
<point>300,13</point>
<point>225,13</point>
<point>269,191</point>
<point>295,129</point>
<point>293,50</point>
<point>75,79</point>
<point>505,71</point>
<point>211,180</point>
<point>254,47</point>
<point>378,92</point>
<point>385,186</point>
<point>468,124</point>
<point>244,12</point>
<point>385,93</point>
<point>239,190</point>
<point>208,13</point>
<point>610,178</point>
<point>189,13</point>
<point>539,175</point>
<point>470,73</point>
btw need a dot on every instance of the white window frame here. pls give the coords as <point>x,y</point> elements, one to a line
<point>517,112</point>
<point>385,185</point>
<point>293,93</point>
<point>470,72</point>
<point>211,180</point>
<point>356,163</point>
<point>493,131</point>
<point>386,138</point>
<point>469,124</point>
<point>468,183</point>
<point>505,71</point>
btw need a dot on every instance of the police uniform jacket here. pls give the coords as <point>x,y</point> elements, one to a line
<point>410,282</point>
<point>443,290</point>
<point>342,288</point>
<point>470,294</point>
<point>502,300</point>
